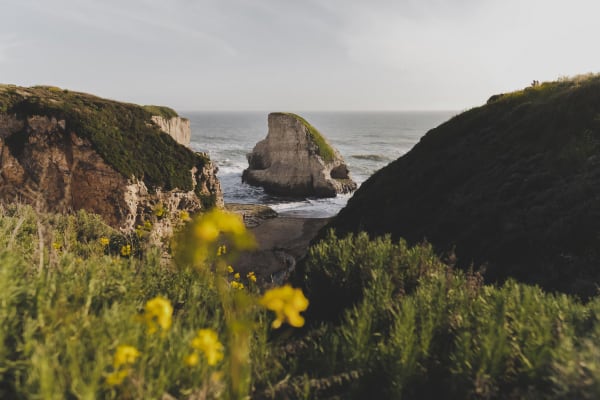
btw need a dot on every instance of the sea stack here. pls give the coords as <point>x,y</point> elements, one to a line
<point>296,160</point>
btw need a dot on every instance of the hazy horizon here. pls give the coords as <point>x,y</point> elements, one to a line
<point>352,55</point>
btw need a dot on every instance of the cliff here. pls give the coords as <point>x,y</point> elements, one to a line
<point>63,151</point>
<point>296,160</point>
<point>513,184</point>
<point>178,128</point>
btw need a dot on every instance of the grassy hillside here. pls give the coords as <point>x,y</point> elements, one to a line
<point>513,184</point>
<point>88,313</point>
<point>121,133</point>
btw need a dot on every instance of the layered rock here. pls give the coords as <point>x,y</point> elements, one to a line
<point>296,160</point>
<point>64,151</point>
<point>179,128</point>
<point>513,185</point>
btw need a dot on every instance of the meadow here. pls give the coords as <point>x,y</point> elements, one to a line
<point>86,313</point>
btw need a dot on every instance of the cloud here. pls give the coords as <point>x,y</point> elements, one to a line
<point>140,20</point>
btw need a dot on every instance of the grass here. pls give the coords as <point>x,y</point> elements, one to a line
<point>386,320</point>
<point>121,133</point>
<point>161,111</point>
<point>325,150</point>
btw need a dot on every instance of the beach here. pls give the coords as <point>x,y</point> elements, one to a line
<point>282,240</point>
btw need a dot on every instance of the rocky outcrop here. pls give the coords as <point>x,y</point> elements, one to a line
<point>513,185</point>
<point>102,156</point>
<point>296,160</point>
<point>177,127</point>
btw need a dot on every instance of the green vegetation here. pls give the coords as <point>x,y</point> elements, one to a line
<point>69,304</point>
<point>121,133</point>
<point>325,150</point>
<point>513,184</point>
<point>406,325</point>
<point>161,111</point>
<point>78,320</point>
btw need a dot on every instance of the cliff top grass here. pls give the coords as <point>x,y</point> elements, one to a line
<point>122,133</point>
<point>325,150</point>
<point>161,111</point>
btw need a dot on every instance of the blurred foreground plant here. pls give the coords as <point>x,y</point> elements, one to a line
<point>210,245</point>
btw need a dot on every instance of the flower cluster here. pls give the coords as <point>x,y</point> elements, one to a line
<point>207,342</point>
<point>126,250</point>
<point>104,241</point>
<point>124,357</point>
<point>251,276</point>
<point>216,222</point>
<point>159,210</point>
<point>157,314</point>
<point>184,216</point>
<point>287,303</point>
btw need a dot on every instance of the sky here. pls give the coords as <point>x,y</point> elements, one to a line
<point>297,55</point>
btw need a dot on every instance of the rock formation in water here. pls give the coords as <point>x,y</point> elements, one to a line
<point>62,151</point>
<point>513,184</point>
<point>296,160</point>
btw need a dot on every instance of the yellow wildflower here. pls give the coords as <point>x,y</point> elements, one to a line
<point>191,360</point>
<point>57,246</point>
<point>231,223</point>
<point>230,269</point>
<point>158,313</point>
<point>236,275</point>
<point>251,276</point>
<point>117,377</point>
<point>104,241</point>
<point>287,303</point>
<point>207,341</point>
<point>216,222</point>
<point>237,285</point>
<point>159,210</point>
<point>207,231</point>
<point>126,250</point>
<point>221,250</point>
<point>184,215</point>
<point>125,355</point>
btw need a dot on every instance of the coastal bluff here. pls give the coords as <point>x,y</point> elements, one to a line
<point>64,151</point>
<point>296,160</point>
<point>512,185</point>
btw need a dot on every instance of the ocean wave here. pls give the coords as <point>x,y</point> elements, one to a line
<point>370,157</point>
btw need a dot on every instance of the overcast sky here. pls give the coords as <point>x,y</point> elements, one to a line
<point>297,55</point>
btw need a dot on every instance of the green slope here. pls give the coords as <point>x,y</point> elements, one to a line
<point>513,184</point>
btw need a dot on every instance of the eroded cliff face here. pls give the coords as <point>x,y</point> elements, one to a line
<point>291,161</point>
<point>44,163</point>
<point>179,128</point>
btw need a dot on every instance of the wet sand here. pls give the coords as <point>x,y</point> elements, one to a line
<point>282,241</point>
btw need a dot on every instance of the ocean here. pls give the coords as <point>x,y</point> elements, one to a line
<point>368,141</point>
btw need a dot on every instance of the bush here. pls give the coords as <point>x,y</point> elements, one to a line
<point>408,326</point>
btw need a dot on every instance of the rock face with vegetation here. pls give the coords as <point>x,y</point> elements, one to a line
<point>513,185</point>
<point>179,128</point>
<point>63,150</point>
<point>296,160</point>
